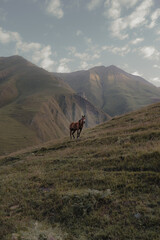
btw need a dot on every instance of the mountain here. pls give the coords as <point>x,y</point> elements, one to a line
<point>106,185</point>
<point>112,89</point>
<point>36,106</point>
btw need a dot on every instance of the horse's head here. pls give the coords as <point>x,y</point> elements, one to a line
<point>83,119</point>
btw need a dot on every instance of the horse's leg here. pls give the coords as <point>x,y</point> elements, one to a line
<point>79,132</point>
<point>73,133</point>
<point>70,134</point>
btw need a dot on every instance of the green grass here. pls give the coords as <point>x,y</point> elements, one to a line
<point>103,186</point>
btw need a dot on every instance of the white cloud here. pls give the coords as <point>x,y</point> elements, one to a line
<point>149,52</point>
<point>40,54</point>
<point>122,51</point>
<point>93,4</point>
<point>91,53</point>
<point>84,65</point>
<point>138,18</point>
<point>87,55</point>
<point>54,7</point>
<point>137,40</point>
<point>26,47</point>
<point>113,8</point>
<point>63,67</point>
<point>155,81</point>
<point>154,18</point>
<point>117,28</point>
<point>128,3</point>
<point>8,36</point>
<point>156,66</point>
<point>136,73</point>
<point>42,57</point>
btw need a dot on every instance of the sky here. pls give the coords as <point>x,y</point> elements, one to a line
<point>72,35</point>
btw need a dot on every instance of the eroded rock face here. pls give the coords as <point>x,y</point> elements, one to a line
<point>36,106</point>
<point>111,89</point>
<point>54,117</point>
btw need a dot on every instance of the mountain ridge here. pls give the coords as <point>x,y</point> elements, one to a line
<point>32,103</point>
<point>112,89</point>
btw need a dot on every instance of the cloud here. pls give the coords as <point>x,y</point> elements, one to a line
<point>63,67</point>
<point>84,65</point>
<point>89,54</point>
<point>154,18</point>
<point>137,18</point>
<point>156,66</point>
<point>122,51</point>
<point>155,81</point>
<point>93,4</point>
<point>113,8</point>
<point>8,36</point>
<point>137,40</point>
<point>117,28</point>
<point>54,7</point>
<point>40,54</point>
<point>27,47</point>
<point>149,52</point>
<point>42,57</point>
<point>136,73</point>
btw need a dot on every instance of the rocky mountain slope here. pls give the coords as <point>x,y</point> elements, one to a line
<point>112,89</point>
<point>36,106</point>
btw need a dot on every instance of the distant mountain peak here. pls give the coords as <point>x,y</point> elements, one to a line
<point>104,69</point>
<point>112,89</point>
<point>14,57</point>
<point>98,67</point>
<point>114,68</point>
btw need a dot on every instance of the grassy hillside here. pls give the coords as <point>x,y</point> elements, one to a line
<point>106,185</point>
<point>36,106</point>
<point>112,89</point>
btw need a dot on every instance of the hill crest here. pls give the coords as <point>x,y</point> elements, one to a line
<point>36,106</point>
<point>112,89</point>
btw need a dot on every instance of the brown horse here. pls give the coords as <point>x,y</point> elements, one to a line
<point>76,126</point>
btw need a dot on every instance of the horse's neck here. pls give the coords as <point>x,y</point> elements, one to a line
<point>80,123</point>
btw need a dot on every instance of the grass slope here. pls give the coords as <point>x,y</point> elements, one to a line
<point>106,185</point>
